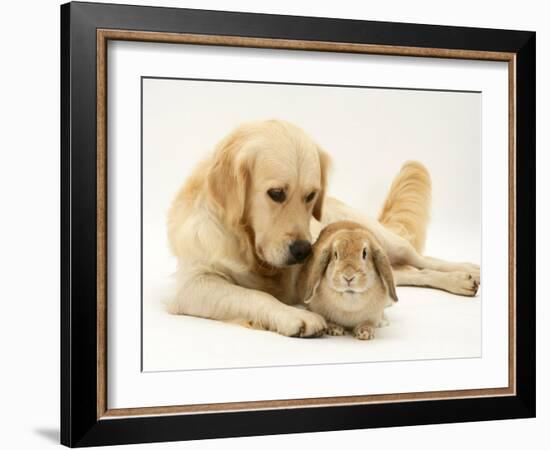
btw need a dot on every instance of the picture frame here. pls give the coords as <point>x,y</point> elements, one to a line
<point>86,28</point>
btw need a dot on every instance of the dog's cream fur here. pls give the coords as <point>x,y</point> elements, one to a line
<point>232,240</point>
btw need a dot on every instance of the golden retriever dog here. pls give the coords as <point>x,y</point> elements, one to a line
<point>245,218</point>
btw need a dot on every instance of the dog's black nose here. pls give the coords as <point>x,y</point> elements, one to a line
<point>300,250</point>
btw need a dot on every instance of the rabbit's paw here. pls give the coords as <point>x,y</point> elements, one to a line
<point>334,329</point>
<point>364,332</point>
<point>384,322</point>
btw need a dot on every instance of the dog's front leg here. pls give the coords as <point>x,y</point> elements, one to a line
<point>213,297</point>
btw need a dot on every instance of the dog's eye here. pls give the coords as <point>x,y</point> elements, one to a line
<point>364,253</point>
<point>310,197</point>
<point>277,195</point>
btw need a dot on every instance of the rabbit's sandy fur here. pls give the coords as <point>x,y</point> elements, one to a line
<point>357,304</point>
<point>350,310</point>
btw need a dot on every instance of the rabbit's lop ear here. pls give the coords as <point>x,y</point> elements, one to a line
<point>312,272</point>
<point>383,266</point>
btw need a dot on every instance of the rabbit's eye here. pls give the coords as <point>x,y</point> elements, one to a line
<point>364,253</point>
<point>336,254</point>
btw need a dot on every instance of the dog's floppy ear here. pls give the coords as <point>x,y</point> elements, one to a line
<point>324,160</point>
<point>383,266</point>
<point>228,177</point>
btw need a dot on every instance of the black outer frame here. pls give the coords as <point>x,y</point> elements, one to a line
<point>79,424</point>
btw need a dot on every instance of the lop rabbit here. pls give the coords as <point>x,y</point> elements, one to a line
<point>348,280</point>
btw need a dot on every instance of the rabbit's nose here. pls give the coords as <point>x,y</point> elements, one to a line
<point>349,279</point>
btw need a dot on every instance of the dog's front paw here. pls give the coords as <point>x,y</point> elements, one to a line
<point>364,332</point>
<point>300,323</point>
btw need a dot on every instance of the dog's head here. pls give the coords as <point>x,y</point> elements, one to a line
<point>270,179</point>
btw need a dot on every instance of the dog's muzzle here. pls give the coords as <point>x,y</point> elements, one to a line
<point>299,251</point>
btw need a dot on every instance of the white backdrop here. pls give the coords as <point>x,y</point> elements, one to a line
<point>31,296</point>
<point>369,133</point>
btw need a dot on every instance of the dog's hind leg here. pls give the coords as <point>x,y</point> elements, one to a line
<point>401,252</point>
<point>461,283</point>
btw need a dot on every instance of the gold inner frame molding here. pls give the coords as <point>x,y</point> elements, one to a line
<point>104,35</point>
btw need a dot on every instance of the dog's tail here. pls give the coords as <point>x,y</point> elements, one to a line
<point>406,210</point>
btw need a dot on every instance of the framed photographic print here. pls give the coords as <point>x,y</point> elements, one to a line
<point>277,224</point>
